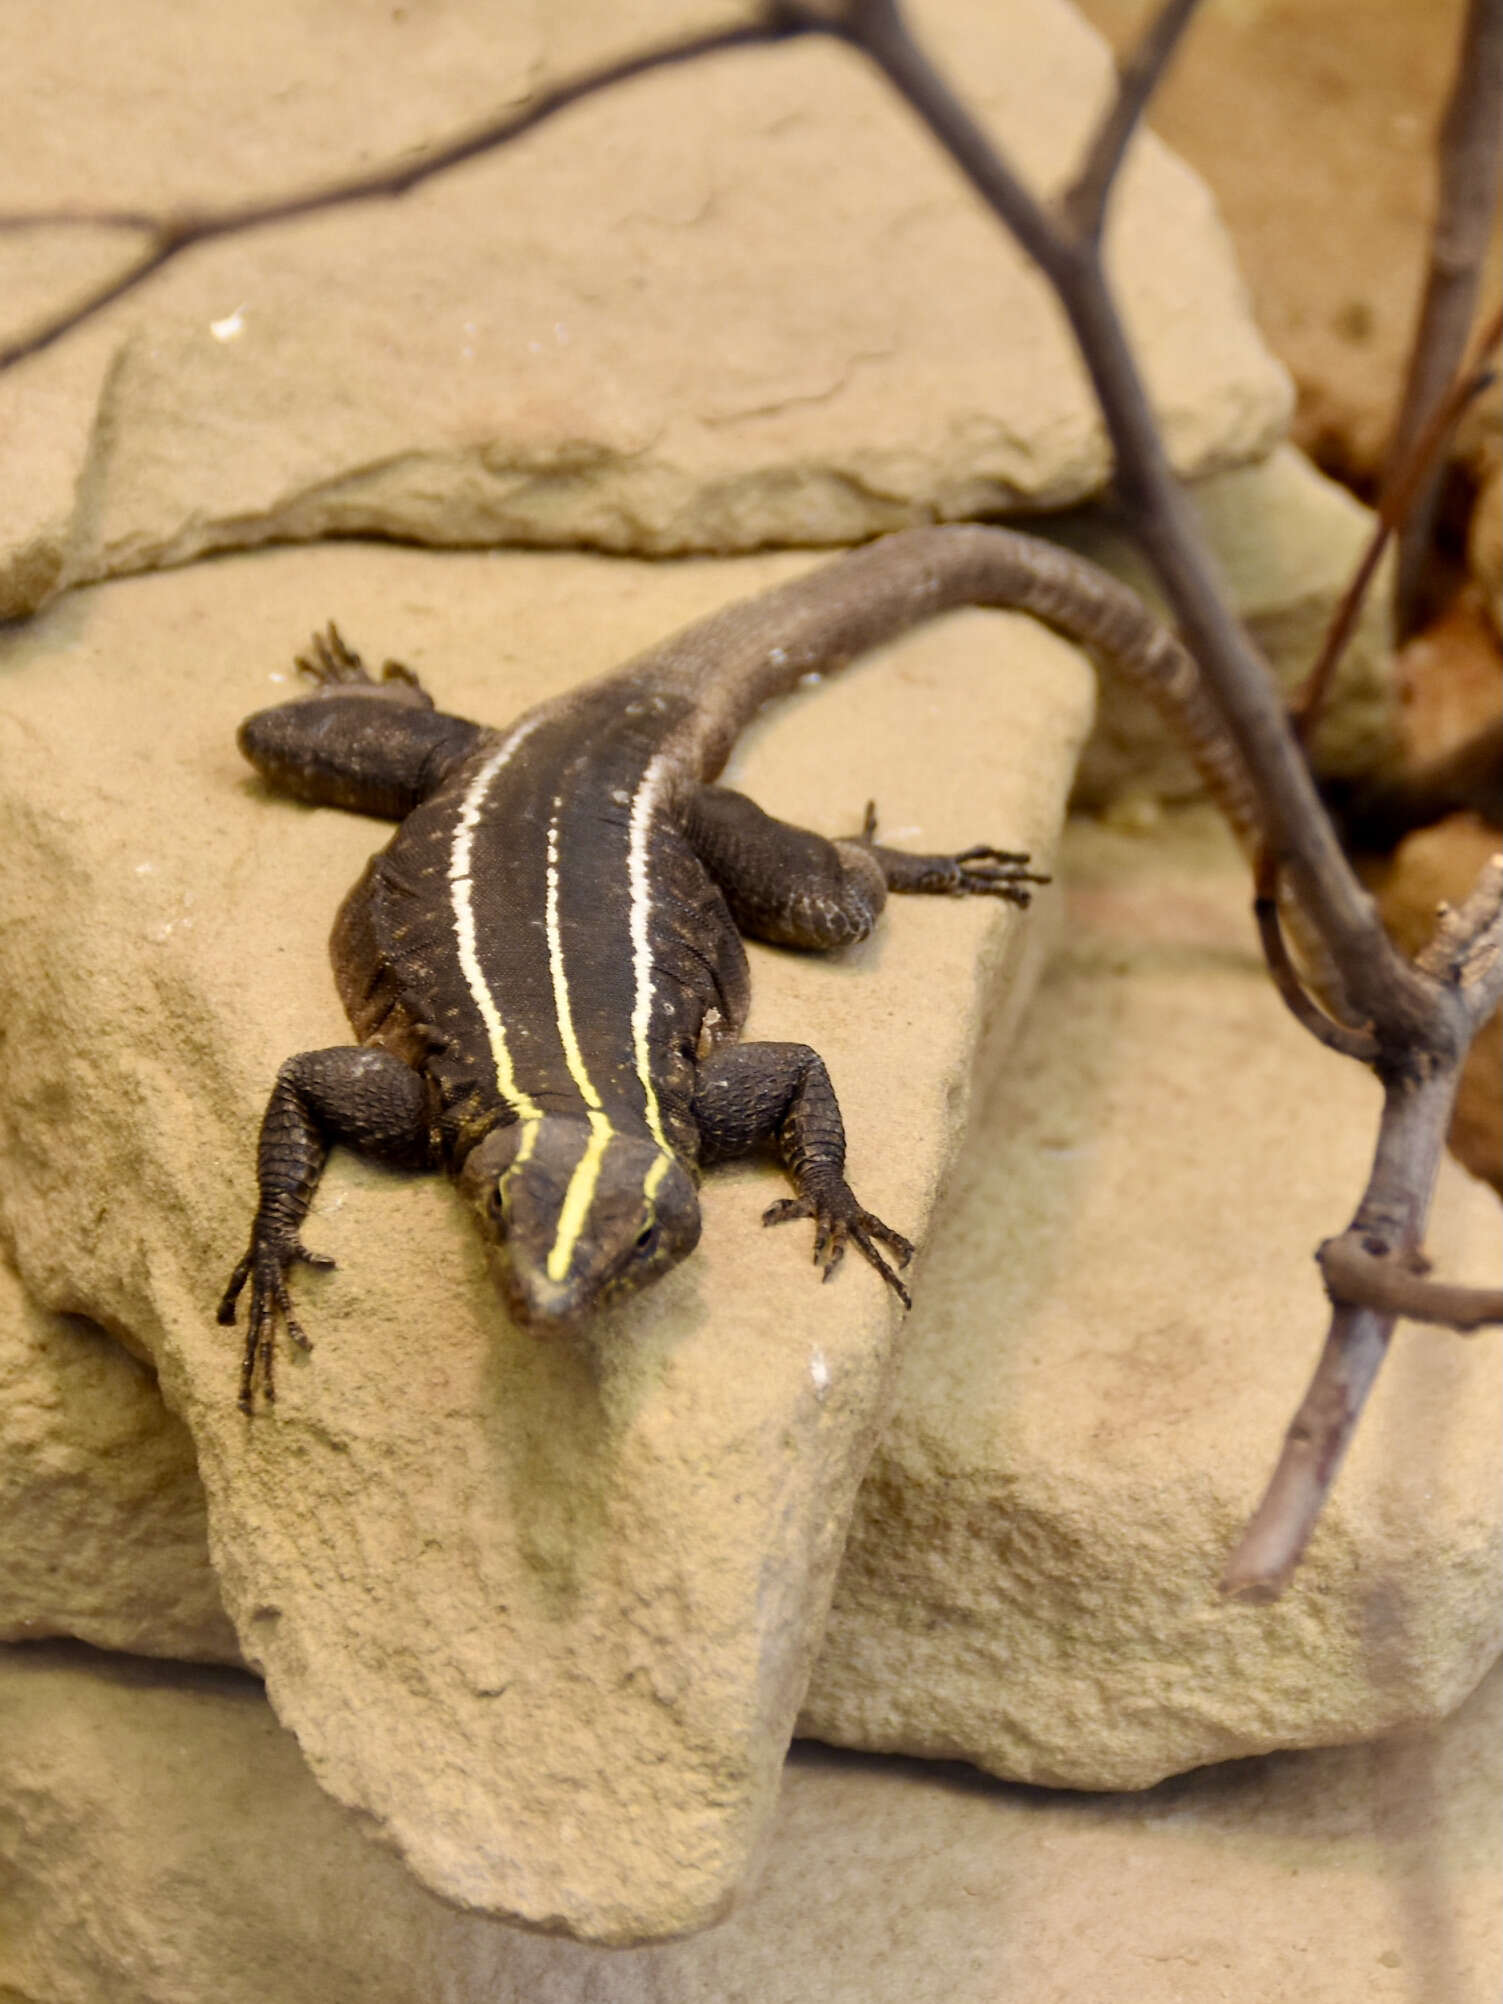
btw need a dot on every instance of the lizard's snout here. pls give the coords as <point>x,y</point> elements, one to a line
<point>580,1214</point>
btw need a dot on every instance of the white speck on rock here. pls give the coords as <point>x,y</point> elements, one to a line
<point>231,327</point>
<point>819,1371</point>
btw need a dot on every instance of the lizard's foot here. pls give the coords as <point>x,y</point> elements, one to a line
<point>266,1265</point>
<point>330,660</point>
<point>839,1220</point>
<point>980,871</point>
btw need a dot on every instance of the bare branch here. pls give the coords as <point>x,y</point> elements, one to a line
<point>1314,1447</point>
<point>171,235</point>
<point>1358,1278</point>
<point>1083,206</point>
<point>1342,1037</point>
<point>1378,982</point>
<point>1417,1103</point>
<point>1471,149</point>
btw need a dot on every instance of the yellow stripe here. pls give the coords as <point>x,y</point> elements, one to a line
<point>528,1111</point>
<point>655,1175</point>
<point>641,946</point>
<point>579,1197</point>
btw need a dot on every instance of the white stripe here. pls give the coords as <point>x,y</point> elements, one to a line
<point>573,1056</point>
<point>638,884</point>
<point>460,888</point>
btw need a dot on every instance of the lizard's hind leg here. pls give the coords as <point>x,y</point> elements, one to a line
<point>794,888</point>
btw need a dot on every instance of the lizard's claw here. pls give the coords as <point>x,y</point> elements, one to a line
<point>839,1220</point>
<point>266,1264</point>
<point>330,660</point>
<point>980,871</point>
<point>998,873</point>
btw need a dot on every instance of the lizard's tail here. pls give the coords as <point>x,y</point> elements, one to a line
<point>741,657</point>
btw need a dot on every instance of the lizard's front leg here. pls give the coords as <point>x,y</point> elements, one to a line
<point>750,1095</point>
<point>367,1099</point>
<point>375,747</point>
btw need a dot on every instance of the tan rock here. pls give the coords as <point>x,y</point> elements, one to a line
<point>105,1532</point>
<point>635,330</point>
<point>1119,1315</point>
<point>1286,541</point>
<point>543,1613</point>
<point>1448,686</point>
<point>173,1848</point>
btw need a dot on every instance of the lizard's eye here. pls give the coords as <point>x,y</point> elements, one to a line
<point>495,1205</point>
<point>647,1238</point>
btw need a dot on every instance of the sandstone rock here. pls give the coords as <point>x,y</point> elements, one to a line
<point>161,1843</point>
<point>105,1535</point>
<point>1287,542</point>
<point>543,1612</point>
<point>635,330</point>
<point>1447,678</point>
<point>1119,1316</point>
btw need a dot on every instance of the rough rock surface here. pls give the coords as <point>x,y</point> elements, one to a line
<point>1119,1316</point>
<point>105,1534</point>
<point>543,1611</point>
<point>161,1843</point>
<point>1286,541</point>
<point>635,330</point>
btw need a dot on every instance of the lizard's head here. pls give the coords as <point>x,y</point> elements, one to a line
<point>580,1214</point>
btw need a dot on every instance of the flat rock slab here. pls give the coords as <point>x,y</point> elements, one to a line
<point>173,1848</point>
<point>1120,1315</point>
<point>544,1612</point>
<point>732,305</point>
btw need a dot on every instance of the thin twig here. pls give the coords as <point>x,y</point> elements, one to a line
<point>1364,1279</point>
<point>171,235</point>
<point>1314,1447</point>
<point>1389,1222</point>
<point>1341,1037</point>
<point>1471,150</point>
<point>1402,486</point>
<point>1083,206</point>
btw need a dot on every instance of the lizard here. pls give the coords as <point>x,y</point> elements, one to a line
<point>545,968</point>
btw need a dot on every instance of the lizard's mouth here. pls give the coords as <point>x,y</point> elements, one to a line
<point>545,1306</point>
